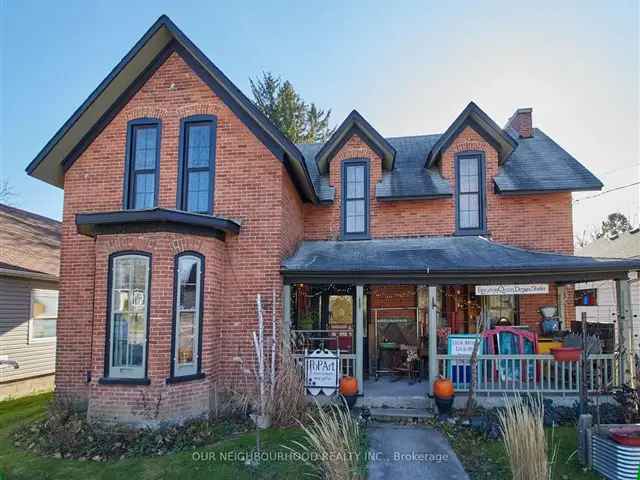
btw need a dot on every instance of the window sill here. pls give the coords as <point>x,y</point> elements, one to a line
<point>185,378</point>
<point>357,236</point>
<point>124,381</point>
<point>471,232</point>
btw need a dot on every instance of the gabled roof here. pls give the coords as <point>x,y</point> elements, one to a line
<point>29,243</point>
<point>444,259</point>
<point>128,76</point>
<point>355,123</point>
<point>473,116</point>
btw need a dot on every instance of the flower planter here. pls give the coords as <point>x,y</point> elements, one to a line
<point>628,436</point>
<point>566,354</point>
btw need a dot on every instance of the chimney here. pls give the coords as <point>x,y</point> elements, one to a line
<point>521,122</point>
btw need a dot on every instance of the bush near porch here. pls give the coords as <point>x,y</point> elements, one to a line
<point>19,464</point>
<point>485,459</point>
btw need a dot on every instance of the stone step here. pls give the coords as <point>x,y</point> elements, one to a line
<point>367,401</point>
<point>400,414</point>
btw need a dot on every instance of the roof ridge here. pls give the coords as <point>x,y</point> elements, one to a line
<point>9,208</point>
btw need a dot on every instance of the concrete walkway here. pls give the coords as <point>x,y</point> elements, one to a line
<point>411,452</point>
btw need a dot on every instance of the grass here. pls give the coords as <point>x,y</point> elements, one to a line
<point>19,464</point>
<point>484,459</point>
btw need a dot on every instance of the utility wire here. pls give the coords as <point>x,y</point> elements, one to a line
<point>605,192</point>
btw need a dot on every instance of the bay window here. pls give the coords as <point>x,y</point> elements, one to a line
<point>128,315</point>
<point>187,320</point>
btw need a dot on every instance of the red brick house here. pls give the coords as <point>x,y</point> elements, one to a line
<point>182,202</point>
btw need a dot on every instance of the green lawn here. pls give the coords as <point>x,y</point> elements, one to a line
<point>485,459</point>
<point>18,464</point>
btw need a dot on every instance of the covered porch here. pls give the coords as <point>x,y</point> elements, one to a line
<point>401,312</point>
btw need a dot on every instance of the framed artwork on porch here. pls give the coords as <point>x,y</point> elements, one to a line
<point>459,371</point>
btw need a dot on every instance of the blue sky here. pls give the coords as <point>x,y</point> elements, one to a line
<point>409,69</point>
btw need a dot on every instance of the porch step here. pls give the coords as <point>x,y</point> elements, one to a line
<point>392,402</point>
<point>400,414</point>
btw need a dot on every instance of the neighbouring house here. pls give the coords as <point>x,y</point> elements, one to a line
<point>598,299</point>
<point>182,202</point>
<point>29,266</point>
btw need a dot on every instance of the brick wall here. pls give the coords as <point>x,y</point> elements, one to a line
<point>251,186</point>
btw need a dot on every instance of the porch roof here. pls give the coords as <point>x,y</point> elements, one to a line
<point>440,260</point>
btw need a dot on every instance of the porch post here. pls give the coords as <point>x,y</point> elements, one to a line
<point>625,332</point>
<point>286,318</point>
<point>433,334</point>
<point>360,337</point>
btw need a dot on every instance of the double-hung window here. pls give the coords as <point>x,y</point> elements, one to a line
<point>128,315</point>
<point>197,164</point>
<point>44,315</point>
<point>355,199</point>
<point>470,194</point>
<point>187,321</point>
<point>142,164</point>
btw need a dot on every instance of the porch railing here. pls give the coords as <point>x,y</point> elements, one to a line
<point>347,362</point>
<point>528,373</point>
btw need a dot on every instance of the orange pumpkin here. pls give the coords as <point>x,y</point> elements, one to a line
<point>348,386</point>
<point>443,388</point>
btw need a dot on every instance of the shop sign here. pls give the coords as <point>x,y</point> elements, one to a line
<point>321,372</point>
<point>524,289</point>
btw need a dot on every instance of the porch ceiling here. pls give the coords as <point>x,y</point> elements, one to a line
<point>442,260</point>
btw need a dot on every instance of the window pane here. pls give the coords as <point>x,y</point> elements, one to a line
<point>144,190</point>
<point>199,145</point>
<point>355,182</point>
<point>129,313</point>
<point>44,328</point>
<point>198,192</point>
<point>186,336</point>
<point>355,213</point>
<point>187,314</point>
<point>469,211</point>
<point>44,304</point>
<point>145,148</point>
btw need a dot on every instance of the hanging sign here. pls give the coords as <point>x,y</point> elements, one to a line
<point>524,289</point>
<point>321,372</point>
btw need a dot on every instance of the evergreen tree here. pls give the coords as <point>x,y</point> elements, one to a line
<point>299,121</point>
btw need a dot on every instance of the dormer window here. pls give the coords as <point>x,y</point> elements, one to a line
<point>355,199</point>
<point>197,163</point>
<point>470,200</point>
<point>142,164</point>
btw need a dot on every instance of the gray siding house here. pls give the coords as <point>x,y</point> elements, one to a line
<point>29,266</point>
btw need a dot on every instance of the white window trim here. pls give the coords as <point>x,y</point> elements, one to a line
<point>31,339</point>
<point>187,368</point>
<point>133,372</point>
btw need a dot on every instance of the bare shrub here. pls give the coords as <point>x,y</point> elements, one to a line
<point>334,438</point>
<point>226,402</point>
<point>288,403</point>
<point>522,428</point>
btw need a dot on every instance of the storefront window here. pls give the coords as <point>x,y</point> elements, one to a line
<point>500,310</point>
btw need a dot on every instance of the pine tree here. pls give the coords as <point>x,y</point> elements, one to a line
<point>299,121</point>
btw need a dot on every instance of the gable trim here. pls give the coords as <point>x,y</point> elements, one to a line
<point>355,123</point>
<point>231,95</point>
<point>473,116</point>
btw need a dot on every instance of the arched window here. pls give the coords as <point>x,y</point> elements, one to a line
<point>128,307</point>
<point>187,321</point>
